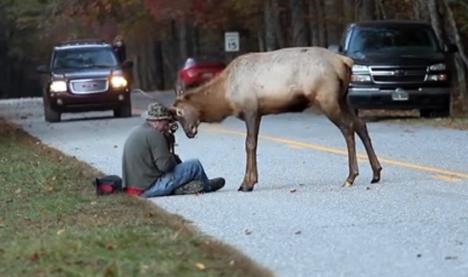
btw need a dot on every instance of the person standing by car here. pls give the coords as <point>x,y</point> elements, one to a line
<point>150,166</point>
<point>119,48</point>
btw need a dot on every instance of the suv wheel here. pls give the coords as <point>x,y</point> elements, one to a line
<point>124,111</point>
<point>50,115</point>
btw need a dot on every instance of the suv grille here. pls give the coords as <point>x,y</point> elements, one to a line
<point>87,86</point>
<point>395,74</point>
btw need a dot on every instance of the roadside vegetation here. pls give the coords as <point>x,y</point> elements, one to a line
<point>52,223</point>
<point>411,117</point>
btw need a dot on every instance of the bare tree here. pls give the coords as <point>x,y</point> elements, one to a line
<point>270,42</point>
<point>436,19</point>
<point>299,32</point>
<point>317,23</point>
<point>367,10</point>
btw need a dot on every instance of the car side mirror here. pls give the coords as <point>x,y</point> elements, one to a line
<point>335,48</point>
<point>127,64</point>
<point>43,69</point>
<point>451,48</point>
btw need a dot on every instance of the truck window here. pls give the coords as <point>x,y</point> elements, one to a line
<point>399,39</point>
<point>84,58</point>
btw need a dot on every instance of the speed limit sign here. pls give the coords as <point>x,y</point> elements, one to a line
<point>231,41</point>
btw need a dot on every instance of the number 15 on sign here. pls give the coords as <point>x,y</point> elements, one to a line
<point>231,41</point>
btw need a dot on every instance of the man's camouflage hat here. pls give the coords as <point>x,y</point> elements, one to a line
<point>156,111</point>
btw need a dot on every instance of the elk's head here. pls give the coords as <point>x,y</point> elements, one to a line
<point>187,114</point>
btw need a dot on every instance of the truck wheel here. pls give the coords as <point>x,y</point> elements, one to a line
<point>124,111</point>
<point>51,115</point>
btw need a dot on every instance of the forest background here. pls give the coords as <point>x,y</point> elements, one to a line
<point>161,34</point>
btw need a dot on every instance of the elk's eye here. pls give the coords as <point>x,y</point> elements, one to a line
<point>179,112</point>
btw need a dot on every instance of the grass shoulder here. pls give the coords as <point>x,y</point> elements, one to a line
<point>52,223</point>
<point>412,117</point>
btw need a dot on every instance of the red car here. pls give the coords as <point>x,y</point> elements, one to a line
<point>197,71</point>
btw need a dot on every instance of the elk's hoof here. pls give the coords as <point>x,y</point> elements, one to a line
<point>245,189</point>
<point>347,184</point>
<point>376,177</point>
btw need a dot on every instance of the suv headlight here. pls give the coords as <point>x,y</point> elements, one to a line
<point>118,82</point>
<point>436,77</point>
<point>58,86</point>
<point>358,68</point>
<point>438,67</point>
<point>360,74</point>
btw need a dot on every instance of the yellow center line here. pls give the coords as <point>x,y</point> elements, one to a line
<point>447,178</point>
<point>448,174</point>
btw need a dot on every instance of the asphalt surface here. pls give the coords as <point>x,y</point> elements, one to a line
<point>299,221</point>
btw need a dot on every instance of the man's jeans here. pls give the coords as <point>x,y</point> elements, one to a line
<point>181,174</point>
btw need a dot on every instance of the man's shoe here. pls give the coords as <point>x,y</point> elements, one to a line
<point>191,187</point>
<point>215,184</point>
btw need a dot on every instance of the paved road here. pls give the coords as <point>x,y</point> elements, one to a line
<point>299,221</point>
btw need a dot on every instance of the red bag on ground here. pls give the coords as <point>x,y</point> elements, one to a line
<point>108,184</point>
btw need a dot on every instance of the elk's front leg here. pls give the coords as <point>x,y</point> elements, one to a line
<point>252,123</point>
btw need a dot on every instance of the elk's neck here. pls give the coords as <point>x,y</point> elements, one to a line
<point>210,99</point>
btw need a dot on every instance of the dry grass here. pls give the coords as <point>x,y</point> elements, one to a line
<point>412,117</point>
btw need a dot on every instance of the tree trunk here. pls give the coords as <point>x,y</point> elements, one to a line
<point>367,10</point>
<point>159,77</point>
<point>455,33</point>
<point>461,61</point>
<point>319,11</point>
<point>299,34</point>
<point>313,23</point>
<point>278,26</point>
<point>381,12</point>
<point>334,21</point>
<point>420,11</point>
<point>436,20</point>
<point>270,41</point>
<point>348,10</point>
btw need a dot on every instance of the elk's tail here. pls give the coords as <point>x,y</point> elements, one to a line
<point>345,73</point>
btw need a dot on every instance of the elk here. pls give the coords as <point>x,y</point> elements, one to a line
<point>285,80</point>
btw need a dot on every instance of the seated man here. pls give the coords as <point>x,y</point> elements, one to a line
<point>151,167</point>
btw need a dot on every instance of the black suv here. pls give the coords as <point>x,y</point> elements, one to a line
<point>398,65</point>
<point>86,76</point>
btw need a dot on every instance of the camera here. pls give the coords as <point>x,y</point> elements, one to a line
<point>173,127</point>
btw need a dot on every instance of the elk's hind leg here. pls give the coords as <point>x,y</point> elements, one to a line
<point>361,130</point>
<point>346,126</point>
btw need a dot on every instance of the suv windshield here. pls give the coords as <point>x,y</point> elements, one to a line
<point>404,39</point>
<point>79,58</point>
